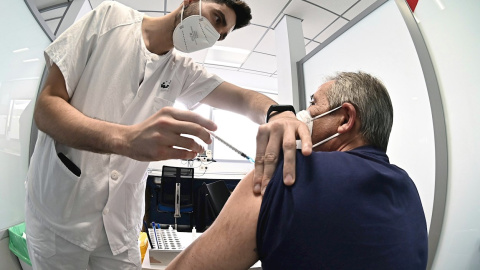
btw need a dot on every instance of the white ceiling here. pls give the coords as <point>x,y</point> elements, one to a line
<point>320,19</point>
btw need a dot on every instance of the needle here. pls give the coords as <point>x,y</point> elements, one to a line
<point>231,147</point>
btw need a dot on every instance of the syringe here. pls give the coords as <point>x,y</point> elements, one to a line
<point>231,147</point>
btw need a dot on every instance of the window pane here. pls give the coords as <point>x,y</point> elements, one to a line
<point>238,131</point>
<point>204,111</point>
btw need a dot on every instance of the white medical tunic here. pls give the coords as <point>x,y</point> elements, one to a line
<point>110,75</point>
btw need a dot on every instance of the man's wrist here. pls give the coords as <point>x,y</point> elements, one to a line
<point>119,142</point>
<point>278,109</point>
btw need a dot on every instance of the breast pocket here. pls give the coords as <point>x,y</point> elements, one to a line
<point>159,103</point>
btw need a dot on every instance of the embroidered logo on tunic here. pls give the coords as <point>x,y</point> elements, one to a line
<point>166,84</point>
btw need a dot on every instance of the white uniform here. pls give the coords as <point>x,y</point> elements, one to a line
<point>110,75</point>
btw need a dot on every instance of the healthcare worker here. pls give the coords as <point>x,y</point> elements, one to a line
<point>105,111</point>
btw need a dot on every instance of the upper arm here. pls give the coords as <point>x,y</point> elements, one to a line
<point>55,84</point>
<point>53,91</point>
<point>227,96</point>
<point>230,243</point>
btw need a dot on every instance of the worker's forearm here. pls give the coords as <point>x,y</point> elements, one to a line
<point>250,103</point>
<point>259,105</point>
<point>65,124</point>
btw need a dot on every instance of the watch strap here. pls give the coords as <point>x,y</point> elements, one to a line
<point>279,109</point>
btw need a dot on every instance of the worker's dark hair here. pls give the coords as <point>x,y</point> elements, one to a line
<point>242,10</point>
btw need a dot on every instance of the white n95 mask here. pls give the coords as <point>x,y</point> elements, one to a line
<point>194,33</point>
<point>306,118</point>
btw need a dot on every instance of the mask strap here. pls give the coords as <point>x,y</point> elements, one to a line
<point>325,113</point>
<point>326,140</point>
<point>181,14</point>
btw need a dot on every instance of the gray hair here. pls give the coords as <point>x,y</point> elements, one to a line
<point>371,100</point>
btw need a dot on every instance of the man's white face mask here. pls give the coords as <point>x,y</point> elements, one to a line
<point>306,118</point>
<point>194,33</point>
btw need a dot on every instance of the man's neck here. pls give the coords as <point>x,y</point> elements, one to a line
<point>157,33</point>
<point>352,143</point>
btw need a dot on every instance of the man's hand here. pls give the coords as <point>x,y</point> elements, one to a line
<point>154,139</point>
<point>281,131</point>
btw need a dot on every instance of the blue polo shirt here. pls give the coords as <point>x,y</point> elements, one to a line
<point>346,210</point>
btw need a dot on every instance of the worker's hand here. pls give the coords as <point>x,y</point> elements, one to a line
<point>281,132</point>
<point>157,137</point>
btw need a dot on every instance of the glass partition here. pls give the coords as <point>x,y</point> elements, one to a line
<point>21,69</point>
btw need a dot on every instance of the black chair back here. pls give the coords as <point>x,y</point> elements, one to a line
<point>170,177</point>
<point>218,195</point>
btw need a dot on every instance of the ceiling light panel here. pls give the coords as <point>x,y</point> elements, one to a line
<point>220,70</point>
<point>249,80</point>
<point>265,74</point>
<point>261,62</point>
<point>245,38</point>
<point>226,56</point>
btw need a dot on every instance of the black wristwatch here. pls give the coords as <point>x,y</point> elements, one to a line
<point>279,109</point>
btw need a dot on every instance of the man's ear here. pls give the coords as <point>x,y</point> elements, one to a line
<point>349,117</point>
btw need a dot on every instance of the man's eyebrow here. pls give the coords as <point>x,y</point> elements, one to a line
<point>311,97</point>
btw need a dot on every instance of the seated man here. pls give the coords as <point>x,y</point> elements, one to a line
<point>349,208</point>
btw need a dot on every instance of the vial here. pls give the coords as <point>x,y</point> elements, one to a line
<point>194,233</point>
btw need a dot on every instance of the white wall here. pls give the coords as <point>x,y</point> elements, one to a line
<point>381,45</point>
<point>450,29</point>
